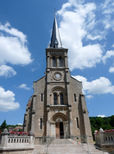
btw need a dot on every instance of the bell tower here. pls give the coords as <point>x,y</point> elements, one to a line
<point>57,71</point>
<point>56,56</point>
<point>57,82</point>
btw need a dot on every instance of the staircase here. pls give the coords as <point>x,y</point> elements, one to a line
<point>66,146</point>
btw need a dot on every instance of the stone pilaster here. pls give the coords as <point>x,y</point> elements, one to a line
<point>4,139</point>
<point>33,114</point>
<point>87,136</point>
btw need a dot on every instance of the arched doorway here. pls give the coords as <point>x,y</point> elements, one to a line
<point>61,125</point>
<point>59,130</point>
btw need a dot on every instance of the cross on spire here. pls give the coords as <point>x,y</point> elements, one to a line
<point>55,37</point>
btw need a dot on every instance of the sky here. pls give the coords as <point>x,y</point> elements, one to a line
<point>86,29</point>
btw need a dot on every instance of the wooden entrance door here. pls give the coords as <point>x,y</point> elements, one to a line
<point>61,130</point>
<point>58,130</point>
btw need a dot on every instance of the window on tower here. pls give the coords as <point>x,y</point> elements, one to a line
<point>41,96</point>
<point>77,121</point>
<point>55,98</point>
<point>41,121</point>
<point>61,62</point>
<point>54,63</point>
<point>61,99</point>
<point>75,97</point>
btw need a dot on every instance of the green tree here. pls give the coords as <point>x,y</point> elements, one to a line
<point>99,122</point>
<point>112,120</point>
<point>3,125</point>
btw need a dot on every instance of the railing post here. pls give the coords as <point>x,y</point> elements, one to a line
<point>101,135</point>
<point>31,138</point>
<point>4,137</point>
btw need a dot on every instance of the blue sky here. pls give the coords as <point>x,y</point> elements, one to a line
<point>86,29</point>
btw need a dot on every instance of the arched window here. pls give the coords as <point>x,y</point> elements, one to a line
<point>61,62</point>
<point>61,99</point>
<point>54,63</point>
<point>55,98</point>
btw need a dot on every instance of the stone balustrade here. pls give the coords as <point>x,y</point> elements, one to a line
<point>18,139</point>
<point>14,142</point>
<point>104,138</point>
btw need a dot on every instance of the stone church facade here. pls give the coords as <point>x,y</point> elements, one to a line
<point>57,108</point>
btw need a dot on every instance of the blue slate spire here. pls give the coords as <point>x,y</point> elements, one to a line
<point>55,38</point>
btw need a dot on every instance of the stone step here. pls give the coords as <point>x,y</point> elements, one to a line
<point>61,141</point>
<point>66,146</point>
<point>92,148</point>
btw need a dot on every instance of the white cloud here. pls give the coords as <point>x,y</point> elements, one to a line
<point>13,32</point>
<point>24,86</point>
<point>74,26</point>
<point>108,7</point>
<point>108,54</point>
<point>82,30</point>
<point>7,100</point>
<point>108,13</point>
<point>89,96</point>
<point>97,37</point>
<point>107,22</point>
<point>7,71</point>
<point>64,7</point>
<point>19,124</point>
<point>111,69</point>
<point>102,116</point>
<point>13,48</point>
<point>101,85</point>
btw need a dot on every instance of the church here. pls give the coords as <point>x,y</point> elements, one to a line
<point>57,108</point>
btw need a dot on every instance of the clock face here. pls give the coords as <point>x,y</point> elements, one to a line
<point>57,76</point>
